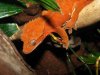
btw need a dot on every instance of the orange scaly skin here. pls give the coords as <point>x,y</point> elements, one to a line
<point>36,30</point>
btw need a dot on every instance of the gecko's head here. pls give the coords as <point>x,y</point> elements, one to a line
<point>32,35</point>
<point>28,44</point>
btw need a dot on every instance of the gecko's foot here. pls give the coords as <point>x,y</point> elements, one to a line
<point>65,44</point>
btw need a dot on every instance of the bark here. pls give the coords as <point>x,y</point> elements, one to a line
<point>89,15</point>
<point>11,63</point>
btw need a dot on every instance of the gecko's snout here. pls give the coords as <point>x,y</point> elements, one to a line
<point>29,47</point>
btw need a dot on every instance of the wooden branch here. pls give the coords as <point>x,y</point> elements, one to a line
<point>89,15</point>
<point>11,63</point>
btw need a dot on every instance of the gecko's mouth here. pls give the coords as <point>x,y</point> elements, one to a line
<point>28,48</point>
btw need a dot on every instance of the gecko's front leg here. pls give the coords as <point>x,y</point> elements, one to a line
<point>62,33</point>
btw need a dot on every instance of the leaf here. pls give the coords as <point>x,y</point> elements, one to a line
<point>89,59</point>
<point>9,29</point>
<point>47,4</point>
<point>8,10</point>
<point>97,54</point>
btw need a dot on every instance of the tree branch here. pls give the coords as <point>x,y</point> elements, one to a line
<point>89,15</point>
<point>11,63</point>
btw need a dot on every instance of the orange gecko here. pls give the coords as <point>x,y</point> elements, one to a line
<point>35,31</point>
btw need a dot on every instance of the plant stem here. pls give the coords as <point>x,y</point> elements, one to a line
<point>80,60</point>
<point>70,63</point>
<point>97,65</point>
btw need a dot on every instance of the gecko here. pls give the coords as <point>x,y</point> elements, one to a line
<point>35,31</point>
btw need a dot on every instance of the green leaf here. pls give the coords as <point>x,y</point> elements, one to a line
<point>47,4</point>
<point>89,59</point>
<point>9,29</point>
<point>97,54</point>
<point>8,10</point>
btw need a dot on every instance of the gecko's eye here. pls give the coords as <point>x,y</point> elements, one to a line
<point>33,42</point>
